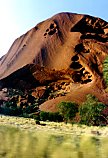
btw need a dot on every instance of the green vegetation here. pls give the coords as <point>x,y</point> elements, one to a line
<point>91,112</point>
<point>20,104</point>
<point>50,116</point>
<point>9,108</point>
<point>68,110</point>
<point>105,70</point>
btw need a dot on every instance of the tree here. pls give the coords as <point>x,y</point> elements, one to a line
<point>91,111</point>
<point>68,110</point>
<point>105,70</point>
<point>51,116</point>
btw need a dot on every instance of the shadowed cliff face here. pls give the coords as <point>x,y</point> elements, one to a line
<point>65,52</point>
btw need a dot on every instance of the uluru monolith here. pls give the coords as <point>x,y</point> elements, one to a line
<point>61,58</point>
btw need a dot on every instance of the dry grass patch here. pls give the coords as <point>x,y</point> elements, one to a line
<point>21,137</point>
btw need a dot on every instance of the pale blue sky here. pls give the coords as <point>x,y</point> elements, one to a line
<point>18,16</point>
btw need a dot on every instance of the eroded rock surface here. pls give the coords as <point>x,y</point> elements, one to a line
<point>63,54</point>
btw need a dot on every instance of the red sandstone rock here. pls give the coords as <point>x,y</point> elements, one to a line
<point>66,47</point>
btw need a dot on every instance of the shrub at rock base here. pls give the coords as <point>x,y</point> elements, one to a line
<point>105,70</point>
<point>50,116</point>
<point>68,110</point>
<point>91,112</point>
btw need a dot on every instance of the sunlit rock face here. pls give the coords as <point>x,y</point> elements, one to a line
<point>64,53</point>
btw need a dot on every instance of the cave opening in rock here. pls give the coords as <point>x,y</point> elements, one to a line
<point>86,81</point>
<point>45,34</point>
<point>87,24</point>
<point>52,26</point>
<point>47,30</point>
<point>52,32</point>
<point>81,71</point>
<point>82,76</point>
<point>75,65</point>
<point>75,58</point>
<point>76,77</point>
<point>79,48</point>
<point>95,37</point>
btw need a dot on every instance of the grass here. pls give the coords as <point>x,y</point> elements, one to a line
<point>22,138</point>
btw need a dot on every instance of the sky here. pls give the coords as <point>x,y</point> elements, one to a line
<point>19,16</point>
